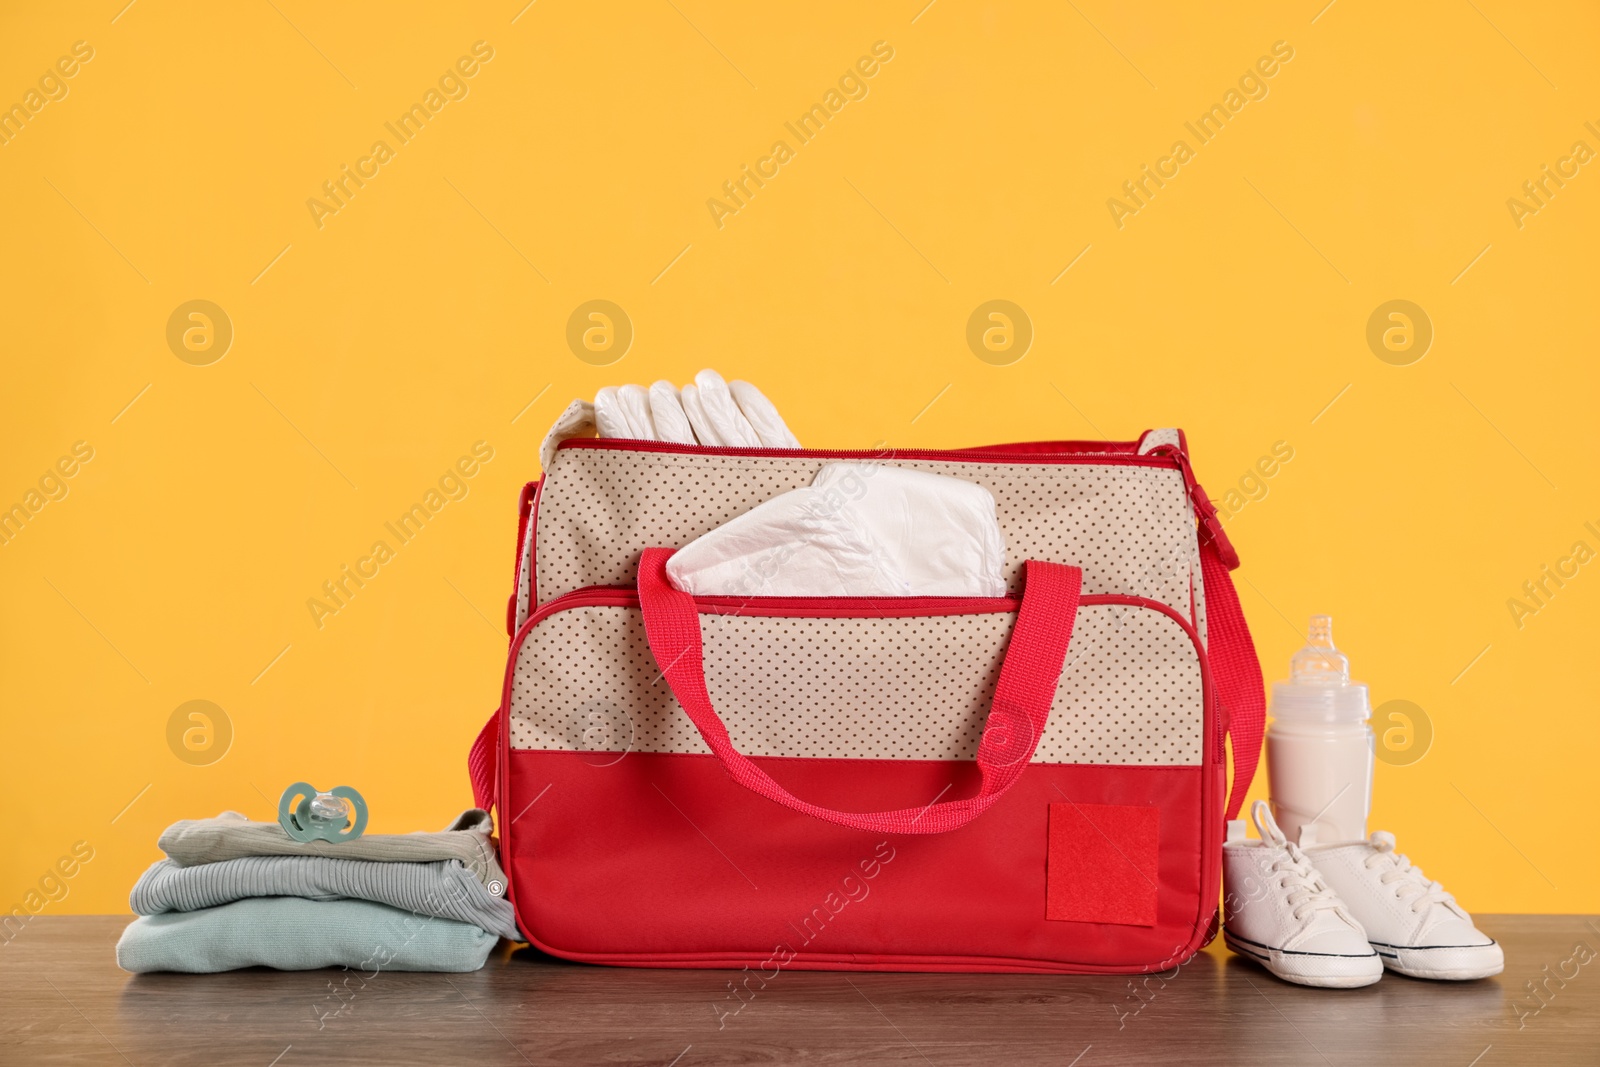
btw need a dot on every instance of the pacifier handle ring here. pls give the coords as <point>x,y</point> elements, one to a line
<point>288,802</point>
<point>358,808</point>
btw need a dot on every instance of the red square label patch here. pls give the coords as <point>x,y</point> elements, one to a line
<point>1102,864</point>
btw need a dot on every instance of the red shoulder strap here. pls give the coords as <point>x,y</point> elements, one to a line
<point>483,762</point>
<point>1235,672</point>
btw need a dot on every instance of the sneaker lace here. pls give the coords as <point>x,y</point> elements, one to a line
<point>1409,882</point>
<point>1307,891</point>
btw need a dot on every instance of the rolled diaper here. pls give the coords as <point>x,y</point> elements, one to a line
<point>301,935</point>
<point>732,428</point>
<point>860,529</point>
<point>704,432</point>
<point>635,403</point>
<point>666,410</point>
<point>763,416</point>
<point>609,418</point>
<point>708,411</point>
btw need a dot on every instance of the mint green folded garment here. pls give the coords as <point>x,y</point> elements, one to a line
<point>293,934</point>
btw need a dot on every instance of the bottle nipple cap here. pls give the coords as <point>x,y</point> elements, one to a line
<point>1320,663</point>
<point>1319,689</point>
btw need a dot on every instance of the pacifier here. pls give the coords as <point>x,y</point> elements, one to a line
<point>322,816</point>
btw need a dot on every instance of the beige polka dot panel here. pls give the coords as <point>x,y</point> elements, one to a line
<point>1130,527</point>
<point>859,688</point>
<point>1156,438</point>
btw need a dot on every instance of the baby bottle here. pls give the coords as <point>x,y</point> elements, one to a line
<point>1319,746</point>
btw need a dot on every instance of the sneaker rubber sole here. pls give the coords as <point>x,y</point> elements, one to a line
<point>1322,969</point>
<point>1444,963</point>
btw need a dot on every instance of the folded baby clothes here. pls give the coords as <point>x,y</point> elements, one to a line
<point>232,836</point>
<point>443,888</point>
<point>860,529</point>
<point>298,935</point>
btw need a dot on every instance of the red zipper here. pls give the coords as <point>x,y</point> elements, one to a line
<point>1155,458</point>
<point>1049,447</point>
<point>840,607</point>
<point>824,607</point>
<point>1159,456</point>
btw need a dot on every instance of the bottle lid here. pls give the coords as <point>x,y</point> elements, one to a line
<point>1319,688</point>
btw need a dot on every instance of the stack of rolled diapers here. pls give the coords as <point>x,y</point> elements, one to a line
<point>235,893</point>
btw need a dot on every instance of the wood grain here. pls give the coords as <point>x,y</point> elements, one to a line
<point>63,1000</point>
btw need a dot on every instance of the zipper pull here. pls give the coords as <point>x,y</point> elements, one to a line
<point>1205,511</point>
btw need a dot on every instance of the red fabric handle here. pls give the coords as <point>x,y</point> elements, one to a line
<point>1022,695</point>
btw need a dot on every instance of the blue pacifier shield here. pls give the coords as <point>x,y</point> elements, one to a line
<point>308,815</point>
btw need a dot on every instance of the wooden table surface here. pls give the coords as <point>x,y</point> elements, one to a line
<point>63,1000</point>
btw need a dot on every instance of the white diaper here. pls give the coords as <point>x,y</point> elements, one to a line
<point>635,403</point>
<point>666,411</point>
<point>764,418</point>
<point>609,418</point>
<point>727,421</point>
<point>709,412</point>
<point>859,529</point>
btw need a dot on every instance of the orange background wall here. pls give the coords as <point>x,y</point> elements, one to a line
<point>374,345</point>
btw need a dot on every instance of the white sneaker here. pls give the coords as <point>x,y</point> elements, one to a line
<point>1278,911</point>
<point>1415,925</point>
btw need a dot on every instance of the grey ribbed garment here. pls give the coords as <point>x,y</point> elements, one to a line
<point>444,888</point>
<point>230,836</point>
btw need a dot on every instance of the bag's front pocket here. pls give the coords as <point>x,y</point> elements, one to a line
<point>854,678</point>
